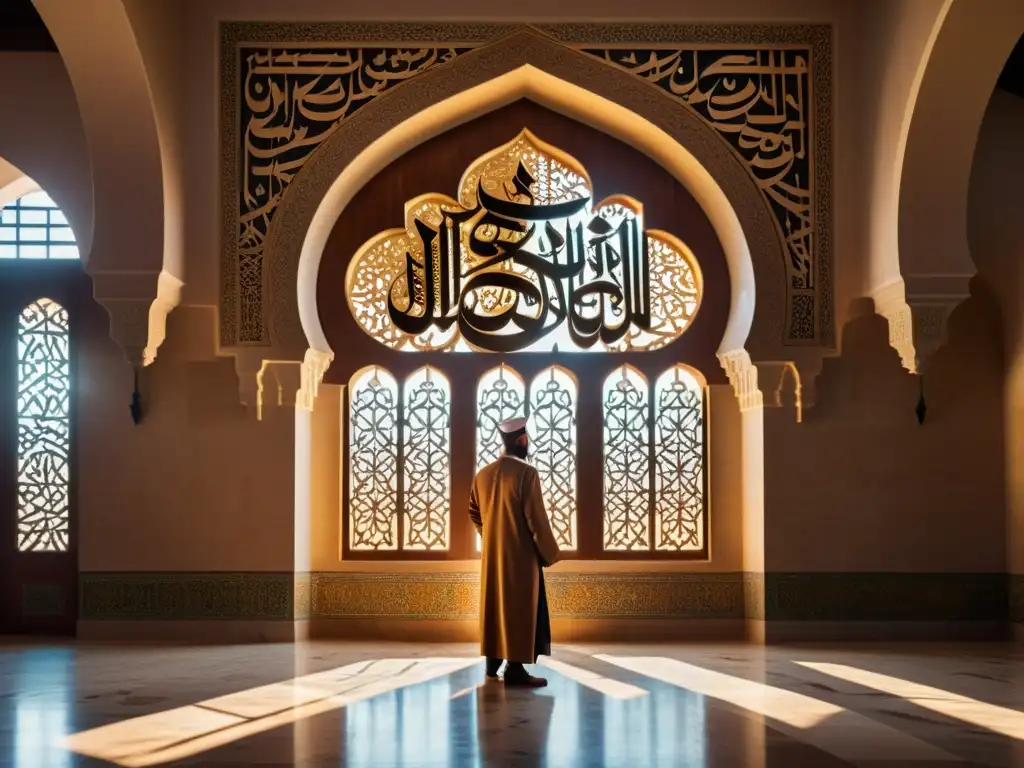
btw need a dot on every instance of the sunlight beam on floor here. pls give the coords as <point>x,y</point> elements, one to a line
<point>1002,720</point>
<point>831,728</point>
<point>185,731</point>
<point>599,683</point>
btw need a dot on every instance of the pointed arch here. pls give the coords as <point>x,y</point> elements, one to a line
<point>680,520</point>
<point>500,395</point>
<point>373,460</point>
<point>527,65</point>
<point>554,394</point>
<point>627,460</point>
<point>426,461</point>
<point>44,427</point>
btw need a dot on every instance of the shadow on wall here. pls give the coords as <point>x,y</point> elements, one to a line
<point>860,486</point>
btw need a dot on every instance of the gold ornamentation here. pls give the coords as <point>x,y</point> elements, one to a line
<point>292,99</point>
<point>570,595</point>
<point>520,262</point>
<point>809,311</point>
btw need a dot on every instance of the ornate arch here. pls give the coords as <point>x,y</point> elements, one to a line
<point>928,273</point>
<point>137,194</point>
<point>561,78</point>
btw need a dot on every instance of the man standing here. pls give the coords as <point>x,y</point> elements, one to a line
<point>507,508</point>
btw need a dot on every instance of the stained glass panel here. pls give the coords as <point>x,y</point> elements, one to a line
<point>679,461</point>
<point>627,468</point>
<point>373,461</point>
<point>552,429</point>
<point>427,460</point>
<point>500,396</point>
<point>44,427</point>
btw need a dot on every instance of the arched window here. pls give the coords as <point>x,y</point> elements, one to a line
<point>653,462</point>
<point>501,395</point>
<point>426,461</point>
<point>44,427</point>
<point>33,227</point>
<point>373,460</point>
<point>552,427</point>
<point>627,461</point>
<point>679,461</point>
<point>528,266</point>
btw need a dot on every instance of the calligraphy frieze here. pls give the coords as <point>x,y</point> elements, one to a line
<point>293,98</point>
<point>765,89</point>
<point>758,100</point>
<point>524,260</point>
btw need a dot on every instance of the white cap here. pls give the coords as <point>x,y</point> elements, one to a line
<point>512,425</point>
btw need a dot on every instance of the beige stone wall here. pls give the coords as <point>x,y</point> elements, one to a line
<point>200,485</point>
<point>861,486</point>
<point>997,246</point>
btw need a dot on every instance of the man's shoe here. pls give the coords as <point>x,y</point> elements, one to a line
<point>523,679</point>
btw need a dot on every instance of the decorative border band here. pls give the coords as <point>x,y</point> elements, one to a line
<point>186,596</point>
<point>773,596</point>
<point>886,597</point>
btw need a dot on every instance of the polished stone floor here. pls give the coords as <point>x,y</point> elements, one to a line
<point>381,704</point>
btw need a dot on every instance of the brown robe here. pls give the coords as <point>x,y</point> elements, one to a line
<point>507,507</point>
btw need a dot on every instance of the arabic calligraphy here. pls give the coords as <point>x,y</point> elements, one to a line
<point>759,101</point>
<point>292,100</point>
<point>524,261</point>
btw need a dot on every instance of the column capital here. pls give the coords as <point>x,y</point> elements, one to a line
<point>917,309</point>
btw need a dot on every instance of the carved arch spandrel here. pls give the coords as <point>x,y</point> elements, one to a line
<point>477,68</point>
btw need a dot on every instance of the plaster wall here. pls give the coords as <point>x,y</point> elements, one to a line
<point>996,235</point>
<point>200,485</point>
<point>861,486</point>
<point>47,141</point>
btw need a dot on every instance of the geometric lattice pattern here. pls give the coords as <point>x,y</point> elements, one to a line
<point>33,227</point>
<point>399,503</point>
<point>44,427</point>
<point>653,488</point>
<point>501,395</point>
<point>399,447</point>
<point>373,461</point>
<point>678,461</point>
<point>426,464</point>
<point>627,461</point>
<point>552,430</point>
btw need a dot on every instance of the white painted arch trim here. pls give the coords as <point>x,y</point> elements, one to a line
<point>567,99</point>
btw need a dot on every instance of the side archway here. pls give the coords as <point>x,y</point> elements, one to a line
<point>136,255</point>
<point>527,65</point>
<point>935,264</point>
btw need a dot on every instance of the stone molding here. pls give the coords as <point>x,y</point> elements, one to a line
<point>917,310</point>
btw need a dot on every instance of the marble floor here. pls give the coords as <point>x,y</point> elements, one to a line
<point>389,704</point>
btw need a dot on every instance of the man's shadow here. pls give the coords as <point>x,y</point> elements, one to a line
<point>512,724</point>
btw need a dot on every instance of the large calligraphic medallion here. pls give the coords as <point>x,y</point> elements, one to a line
<point>524,260</point>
